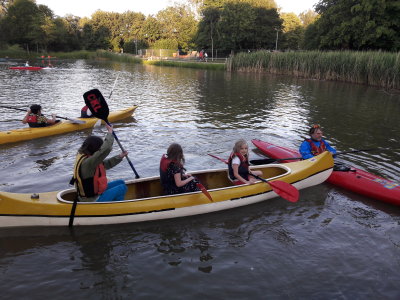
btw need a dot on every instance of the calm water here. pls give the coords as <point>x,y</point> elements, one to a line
<point>331,244</point>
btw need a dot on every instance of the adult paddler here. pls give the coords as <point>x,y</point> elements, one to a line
<point>315,144</point>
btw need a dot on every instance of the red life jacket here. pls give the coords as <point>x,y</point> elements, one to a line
<point>165,180</point>
<point>315,150</point>
<point>32,121</point>
<point>243,167</point>
<point>91,186</point>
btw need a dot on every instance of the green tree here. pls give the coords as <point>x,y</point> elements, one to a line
<point>361,25</point>
<point>24,24</point>
<point>208,35</point>
<point>178,23</point>
<point>292,31</point>
<point>244,26</point>
<point>308,17</point>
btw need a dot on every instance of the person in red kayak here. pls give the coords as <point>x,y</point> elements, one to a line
<point>173,178</point>
<point>315,144</point>
<point>238,165</point>
<point>34,117</point>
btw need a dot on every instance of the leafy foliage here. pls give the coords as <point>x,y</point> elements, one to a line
<point>362,25</point>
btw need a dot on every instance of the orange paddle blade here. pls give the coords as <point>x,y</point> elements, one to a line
<point>204,190</point>
<point>285,190</point>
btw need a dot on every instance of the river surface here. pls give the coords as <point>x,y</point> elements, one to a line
<point>332,244</point>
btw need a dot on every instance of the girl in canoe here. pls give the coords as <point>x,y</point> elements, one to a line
<point>90,170</point>
<point>172,172</point>
<point>34,117</point>
<point>238,164</point>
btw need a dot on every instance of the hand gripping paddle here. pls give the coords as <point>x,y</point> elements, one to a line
<point>282,188</point>
<point>99,108</point>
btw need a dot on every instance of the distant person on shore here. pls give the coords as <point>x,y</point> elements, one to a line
<point>173,178</point>
<point>34,117</point>
<point>315,144</point>
<point>205,56</point>
<point>238,164</point>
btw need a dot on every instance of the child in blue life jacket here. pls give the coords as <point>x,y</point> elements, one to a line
<point>90,170</point>
<point>238,164</point>
<point>315,144</point>
<point>172,172</point>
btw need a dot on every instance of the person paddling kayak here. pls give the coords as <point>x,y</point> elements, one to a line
<point>90,170</point>
<point>34,117</point>
<point>315,144</point>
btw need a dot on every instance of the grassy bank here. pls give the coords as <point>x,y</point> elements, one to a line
<point>185,64</point>
<point>371,68</point>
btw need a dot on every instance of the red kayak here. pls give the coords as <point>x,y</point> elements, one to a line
<point>26,68</point>
<point>355,180</point>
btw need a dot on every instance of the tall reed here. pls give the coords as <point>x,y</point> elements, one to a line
<point>373,68</point>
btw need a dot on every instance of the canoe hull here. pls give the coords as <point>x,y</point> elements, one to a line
<point>53,208</point>
<point>28,133</point>
<point>356,180</point>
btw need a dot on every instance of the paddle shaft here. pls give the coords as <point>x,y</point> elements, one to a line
<point>20,109</point>
<point>72,214</point>
<point>115,82</point>
<point>123,150</point>
<point>270,160</point>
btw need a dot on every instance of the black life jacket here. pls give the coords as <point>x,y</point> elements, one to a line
<point>91,186</point>
<point>243,167</point>
<point>316,150</point>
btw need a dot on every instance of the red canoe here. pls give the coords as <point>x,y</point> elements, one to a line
<point>355,180</point>
<point>26,68</point>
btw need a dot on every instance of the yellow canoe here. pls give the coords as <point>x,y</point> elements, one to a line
<point>144,200</point>
<point>28,133</point>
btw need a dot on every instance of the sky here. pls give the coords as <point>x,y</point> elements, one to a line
<point>85,8</point>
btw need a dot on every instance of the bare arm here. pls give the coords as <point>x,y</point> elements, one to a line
<point>179,182</point>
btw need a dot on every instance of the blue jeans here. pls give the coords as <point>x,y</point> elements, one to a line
<point>115,191</point>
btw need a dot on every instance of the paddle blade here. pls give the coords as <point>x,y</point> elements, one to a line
<point>285,190</point>
<point>204,190</point>
<point>74,121</point>
<point>96,104</point>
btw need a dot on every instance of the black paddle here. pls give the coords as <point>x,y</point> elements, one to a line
<point>75,121</point>
<point>99,108</point>
<point>271,160</point>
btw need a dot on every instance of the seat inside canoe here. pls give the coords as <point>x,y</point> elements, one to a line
<point>211,179</point>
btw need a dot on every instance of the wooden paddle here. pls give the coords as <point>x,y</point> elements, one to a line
<point>74,121</point>
<point>99,108</point>
<point>271,160</point>
<point>283,189</point>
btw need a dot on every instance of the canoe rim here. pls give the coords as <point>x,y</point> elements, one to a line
<point>134,181</point>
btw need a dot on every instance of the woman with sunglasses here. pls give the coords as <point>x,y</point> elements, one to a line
<point>315,144</point>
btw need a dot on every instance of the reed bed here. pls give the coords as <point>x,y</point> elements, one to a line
<point>373,68</point>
